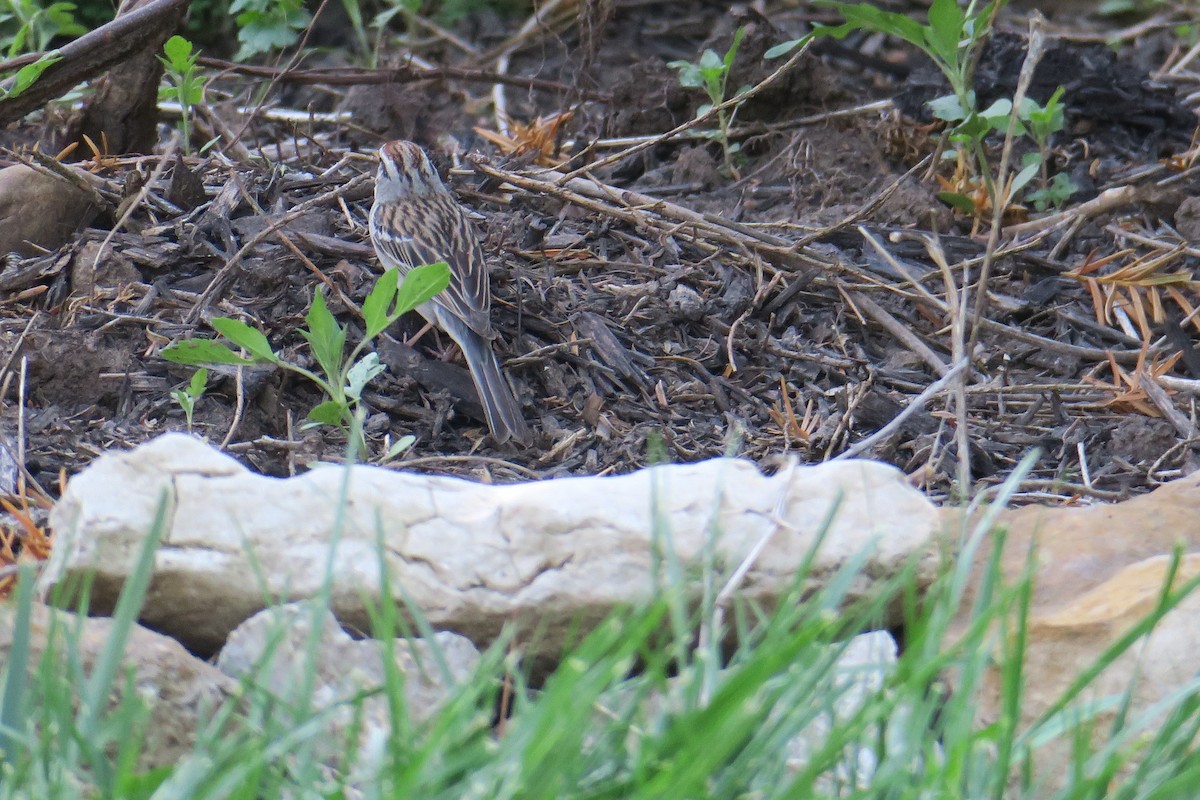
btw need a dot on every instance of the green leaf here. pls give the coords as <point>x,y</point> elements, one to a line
<point>361,374</point>
<point>330,412</point>
<point>689,74</point>
<point>948,108</point>
<point>179,52</point>
<point>1023,177</point>
<point>710,61</point>
<point>784,48</point>
<point>958,201</point>
<point>400,445</point>
<point>378,303</point>
<point>421,284</point>
<point>731,53</point>
<point>945,31</point>
<point>198,383</point>
<point>997,115</point>
<point>27,75</point>
<point>325,336</point>
<point>864,16</point>
<point>194,352</point>
<point>249,339</point>
<point>183,399</point>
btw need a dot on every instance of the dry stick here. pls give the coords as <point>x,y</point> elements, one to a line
<point>88,56</point>
<point>237,137</point>
<point>913,407</point>
<point>403,73</point>
<point>1162,401</point>
<point>871,206</point>
<point>1108,200</point>
<point>636,207</point>
<point>712,113</point>
<point>132,205</point>
<point>959,352</point>
<point>1003,187</point>
<point>901,332</point>
<point>215,286</point>
<point>40,162</point>
<point>725,596</point>
<point>504,54</point>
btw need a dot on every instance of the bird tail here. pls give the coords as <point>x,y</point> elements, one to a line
<point>495,393</point>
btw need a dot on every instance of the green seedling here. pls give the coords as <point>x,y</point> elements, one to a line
<point>342,378</point>
<point>1039,123</point>
<point>950,39</point>
<point>189,395</point>
<point>711,73</point>
<point>1043,122</point>
<point>187,87</point>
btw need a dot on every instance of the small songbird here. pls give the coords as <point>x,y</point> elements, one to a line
<point>415,221</point>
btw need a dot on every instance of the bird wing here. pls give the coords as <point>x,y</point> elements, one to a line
<point>415,238</point>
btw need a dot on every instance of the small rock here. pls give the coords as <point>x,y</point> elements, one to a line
<point>273,646</point>
<point>39,210</point>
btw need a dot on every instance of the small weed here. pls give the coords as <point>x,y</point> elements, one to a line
<point>187,87</point>
<point>951,39</point>
<point>711,74</point>
<point>342,378</point>
<point>189,395</point>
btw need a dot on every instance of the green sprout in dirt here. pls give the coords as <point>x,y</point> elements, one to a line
<point>342,378</point>
<point>1042,122</point>
<point>187,87</point>
<point>711,74</point>
<point>189,395</point>
<point>951,40</point>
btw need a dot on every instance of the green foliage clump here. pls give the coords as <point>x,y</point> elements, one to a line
<point>341,378</point>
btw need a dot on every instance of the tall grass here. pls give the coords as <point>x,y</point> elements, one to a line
<point>659,701</point>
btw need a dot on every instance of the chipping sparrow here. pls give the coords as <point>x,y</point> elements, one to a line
<point>415,221</point>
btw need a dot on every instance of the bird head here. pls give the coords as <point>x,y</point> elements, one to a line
<point>405,172</point>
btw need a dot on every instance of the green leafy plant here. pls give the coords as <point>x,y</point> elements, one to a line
<point>187,87</point>
<point>342,378</point>
<point>265,25</point>
<point>189,395</point>
<point>26,26</point>
<point>1043,122</point>
<point>711,73</point>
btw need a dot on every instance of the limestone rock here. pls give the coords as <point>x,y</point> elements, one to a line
<point>550,555</point>
<point>180,690</point>
<point>273,647</point>
<point>1099,570</point>
<point>39,210</point>
<point>1063,644</point>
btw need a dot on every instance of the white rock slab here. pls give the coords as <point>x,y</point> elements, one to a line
<point>551,554</point>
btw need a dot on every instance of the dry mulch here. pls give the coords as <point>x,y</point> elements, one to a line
<point>652,306</point>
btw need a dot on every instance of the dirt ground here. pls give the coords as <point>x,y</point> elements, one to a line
<point>661,307</point>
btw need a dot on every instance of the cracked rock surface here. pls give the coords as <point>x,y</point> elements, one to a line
<point>472,557</point>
